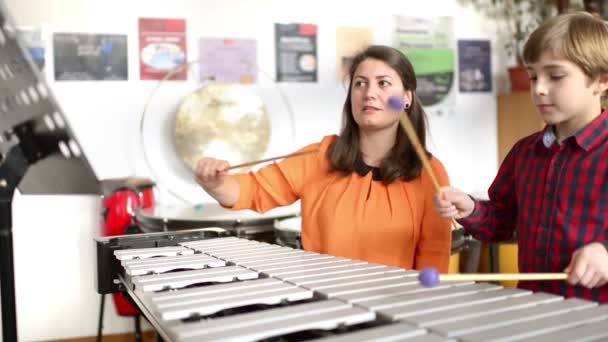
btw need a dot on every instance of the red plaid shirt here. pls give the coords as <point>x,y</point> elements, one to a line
<point>555,197</point>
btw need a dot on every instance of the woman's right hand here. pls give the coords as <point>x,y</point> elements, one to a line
<point>453,203</point>
<point>211,173</point>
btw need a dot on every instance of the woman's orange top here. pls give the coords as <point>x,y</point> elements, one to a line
<point>352,215</point>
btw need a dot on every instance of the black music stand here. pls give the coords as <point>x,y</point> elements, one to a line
<point>39,153</point>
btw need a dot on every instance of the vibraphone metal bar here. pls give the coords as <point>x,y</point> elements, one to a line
<point>256,291</point>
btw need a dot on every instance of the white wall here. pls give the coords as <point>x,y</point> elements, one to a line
<point>54,254</point>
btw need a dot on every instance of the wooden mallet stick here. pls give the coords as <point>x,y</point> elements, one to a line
<point>270,159</point>
<point>430,277</point>
<point>396,104</point>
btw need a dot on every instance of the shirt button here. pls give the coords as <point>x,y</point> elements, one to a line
<point>541,252</point>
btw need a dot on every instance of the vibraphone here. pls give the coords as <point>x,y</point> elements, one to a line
<point>232,289</point>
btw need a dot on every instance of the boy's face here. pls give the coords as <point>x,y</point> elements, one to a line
<point>563,94</point>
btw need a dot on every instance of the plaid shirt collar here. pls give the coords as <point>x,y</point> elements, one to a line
<point>587,138</point>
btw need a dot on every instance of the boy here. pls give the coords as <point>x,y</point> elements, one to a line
<point>552,188</point>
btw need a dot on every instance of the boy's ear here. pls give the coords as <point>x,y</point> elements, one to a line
<point>602,83</point>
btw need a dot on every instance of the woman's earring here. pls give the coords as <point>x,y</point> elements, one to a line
<point>407,106</point>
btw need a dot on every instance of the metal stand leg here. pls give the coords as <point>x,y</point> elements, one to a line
<point>13,167</point>
<point>137,328</point>
<point>7,280</point>
<point>473,253</point>
<point>494,250</point>
<point>100,324</point>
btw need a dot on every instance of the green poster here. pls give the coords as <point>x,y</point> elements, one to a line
<point>429,45</point>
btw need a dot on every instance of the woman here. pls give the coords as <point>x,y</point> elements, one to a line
<point>364,193</point>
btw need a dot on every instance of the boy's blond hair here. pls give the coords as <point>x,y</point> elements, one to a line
<point>577,36</point>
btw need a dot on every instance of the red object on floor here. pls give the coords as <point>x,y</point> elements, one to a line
<point>121,197</point>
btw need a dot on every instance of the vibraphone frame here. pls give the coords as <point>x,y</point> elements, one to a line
<point>396,305</point>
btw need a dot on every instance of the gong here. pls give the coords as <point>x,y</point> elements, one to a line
<point>223,121</point>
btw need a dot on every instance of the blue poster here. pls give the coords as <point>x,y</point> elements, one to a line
<point>34,42</point>
<point>90,57</point>
<point>474,66</point>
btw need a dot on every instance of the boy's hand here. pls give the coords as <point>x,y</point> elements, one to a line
<point>589,266</point>
<point>451,202</point>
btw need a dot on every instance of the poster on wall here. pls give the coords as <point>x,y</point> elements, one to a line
<point>162,48</point>
<point>429,45</point>
<point>35,44</point>
<point>350,41</point>
<point>228,60</point>
<point>474,66</point>
<point>296,52</point>
<point>90,57</point>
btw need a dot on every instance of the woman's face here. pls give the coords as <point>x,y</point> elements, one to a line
<point>374,82</point>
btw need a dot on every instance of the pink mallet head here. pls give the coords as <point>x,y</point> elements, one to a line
<point>429,277</point>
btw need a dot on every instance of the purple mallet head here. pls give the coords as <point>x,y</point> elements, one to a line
<point>396,103</point>
<point>429,277</point>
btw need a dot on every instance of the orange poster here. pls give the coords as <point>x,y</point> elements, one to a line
<point>349,41</point>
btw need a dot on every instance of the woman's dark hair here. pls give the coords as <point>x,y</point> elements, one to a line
<point>402,161</point>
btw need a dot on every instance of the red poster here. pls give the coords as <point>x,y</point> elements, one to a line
<point>162,48</point>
